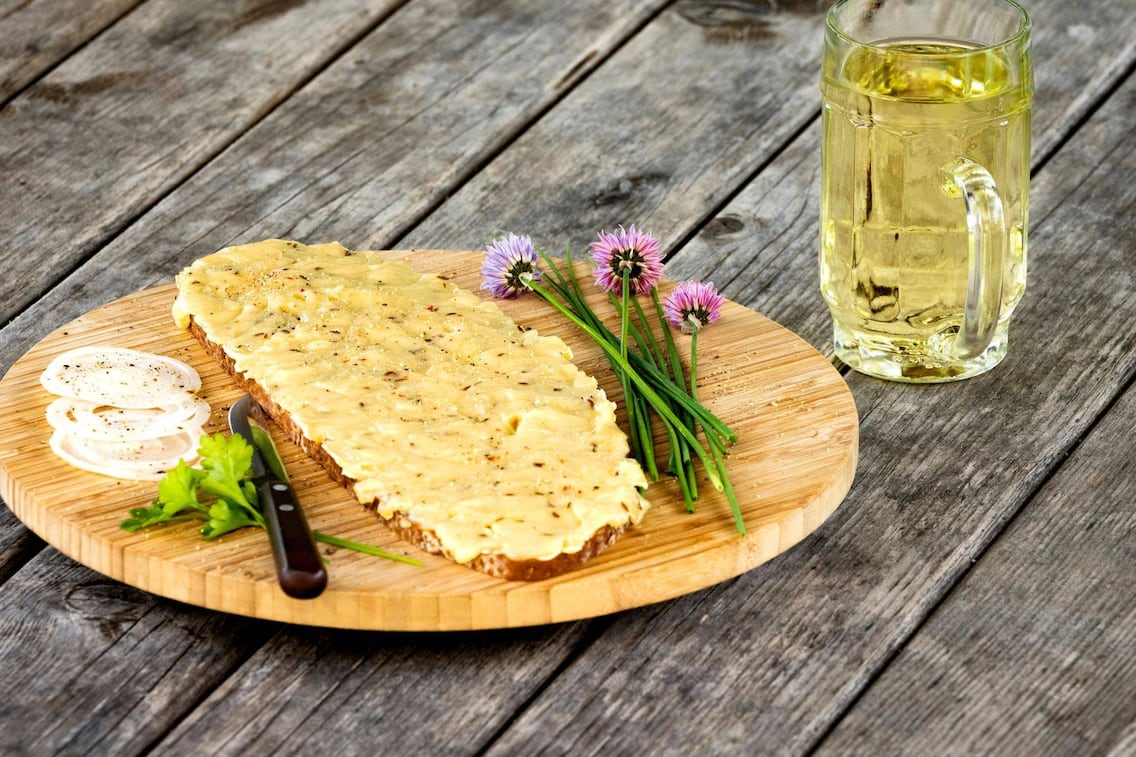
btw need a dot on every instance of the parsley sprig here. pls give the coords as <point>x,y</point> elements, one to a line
<point>221,494</point>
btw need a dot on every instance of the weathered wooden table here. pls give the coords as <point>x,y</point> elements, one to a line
<point>975,593</point>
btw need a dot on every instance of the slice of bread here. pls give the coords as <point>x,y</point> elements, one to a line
<point>466,435</point>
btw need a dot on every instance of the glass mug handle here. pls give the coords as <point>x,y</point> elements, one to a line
<point>987,250</point>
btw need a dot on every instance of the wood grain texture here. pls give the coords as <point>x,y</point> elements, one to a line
<point>791,467</point>
<point>36,34</point>
<point>1034,648</point>
<point>131,115</point>
<point>679,117</point>
<point>17,544</point>
<point>102,668</point>
<point>794,644</point>
<point>762,247</point>
<point>1079,54</point>
<point>413,693</point>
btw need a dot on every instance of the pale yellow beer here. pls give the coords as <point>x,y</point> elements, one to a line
<point>924,192</point>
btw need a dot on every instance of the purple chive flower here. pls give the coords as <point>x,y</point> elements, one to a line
<point>693,305</point>
<point>509,266</point>
<point>629,250</point>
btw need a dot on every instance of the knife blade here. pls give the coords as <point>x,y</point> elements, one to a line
<point>298,565</point>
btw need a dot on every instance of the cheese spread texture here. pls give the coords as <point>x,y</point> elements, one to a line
<point>437,404</point>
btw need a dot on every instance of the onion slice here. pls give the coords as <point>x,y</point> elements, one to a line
<point>89,420</point>
<point>145,460</point>
<point>120,377</point>
<point>124,413</point>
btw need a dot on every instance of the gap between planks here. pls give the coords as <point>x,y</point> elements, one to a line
<point>953,586</point>
<point>580,73</point>
<point>65,53</point>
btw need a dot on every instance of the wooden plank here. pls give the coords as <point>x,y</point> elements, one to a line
<point>1049,669</point>
<point>681,117</point>
<point>761,248</point>
<point>792,645</point>
<point>680,134</point>
<point>790,472</point>
<point>94,666</point>
<point>340,692</point>
<point>17,544</point>
<point>36,34</point>
<point>1094,50</point>
<point>100,138</point>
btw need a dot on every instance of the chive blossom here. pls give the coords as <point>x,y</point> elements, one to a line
<point>510,265</point>
<point>627,253</point>
<point>693,305</point>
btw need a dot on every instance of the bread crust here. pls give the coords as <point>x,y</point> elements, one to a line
<point>496,565</point>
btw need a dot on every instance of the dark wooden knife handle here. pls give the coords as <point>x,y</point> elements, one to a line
<point>298,564</point>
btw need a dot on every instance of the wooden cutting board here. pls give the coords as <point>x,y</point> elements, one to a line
<point>792,466</point>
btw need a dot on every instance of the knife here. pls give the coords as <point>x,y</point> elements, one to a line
<point>298,565</point>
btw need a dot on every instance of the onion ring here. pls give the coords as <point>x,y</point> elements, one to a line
<point>119,377</point>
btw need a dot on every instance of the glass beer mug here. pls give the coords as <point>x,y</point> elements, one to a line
<point>925,177</point>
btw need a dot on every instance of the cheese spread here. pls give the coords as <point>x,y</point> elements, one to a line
<point>440,408</point>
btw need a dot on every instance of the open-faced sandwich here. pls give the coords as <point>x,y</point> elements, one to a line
<point>469,436</point>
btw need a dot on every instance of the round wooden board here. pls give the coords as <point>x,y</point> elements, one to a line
<point>792,466</point>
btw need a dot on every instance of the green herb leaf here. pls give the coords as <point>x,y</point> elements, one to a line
<point>177,500</point>
<point>178,490</point>
<point>263,441</point>
<point>233,503</point>
<point>366,549</point>
<point>224,517</point>
<point>227,461</point>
